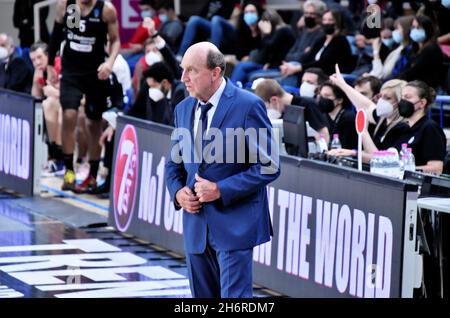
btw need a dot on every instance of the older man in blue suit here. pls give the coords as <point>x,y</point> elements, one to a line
<point>222,192</point>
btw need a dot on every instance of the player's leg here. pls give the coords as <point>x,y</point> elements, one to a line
<point>70,98</point>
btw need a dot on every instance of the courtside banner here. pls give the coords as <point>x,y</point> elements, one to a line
<point>16,141</point>
<point>140,202</point>
<point>337,232</point>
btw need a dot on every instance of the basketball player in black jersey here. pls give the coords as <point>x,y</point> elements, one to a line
<point>85,26</point>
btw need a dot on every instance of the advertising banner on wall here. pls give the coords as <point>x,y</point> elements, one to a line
<point>129,17</point>
<point>337,232</point>
<point>16,141</point>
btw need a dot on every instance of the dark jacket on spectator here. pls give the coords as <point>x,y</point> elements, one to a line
<point>16,75</point>
<point>161,111</point>
<point>274,47</point>
<point>425,66</point>
<point>304,42</point>
<point>337,51</point>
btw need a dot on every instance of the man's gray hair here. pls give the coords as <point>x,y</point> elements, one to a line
<point>320,6</point>
<point>215,59</point>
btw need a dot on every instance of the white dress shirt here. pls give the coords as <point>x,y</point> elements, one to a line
<point>214,100</point>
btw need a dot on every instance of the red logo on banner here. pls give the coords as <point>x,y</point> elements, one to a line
<point>125,178</point>
<point>360,121</point>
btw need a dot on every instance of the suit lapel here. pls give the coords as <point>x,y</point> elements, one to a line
<point>224,106</point>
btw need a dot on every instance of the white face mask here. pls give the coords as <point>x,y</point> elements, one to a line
<point>384,108</point>
<point>155,94</point>
<point>152,58</point>
<point>273,113</point>
<point>307,90</point>
<point>3,53</point>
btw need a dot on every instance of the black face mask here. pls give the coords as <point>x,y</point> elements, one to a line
<point>405,108</point>
<point>328,28</point>
<point>310,22</point>
<point>326,105</point>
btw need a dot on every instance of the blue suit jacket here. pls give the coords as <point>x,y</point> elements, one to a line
<point>240,218</point>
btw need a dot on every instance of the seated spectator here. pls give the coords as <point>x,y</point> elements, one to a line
<point>427,59</point>
<point>387,43</point>
<point>156,50</point>
<point>424,136</point>
<point>311,31</point>
<point>50,105</point>
<point>152,56</point>
<point>15,74</point>
<point>384,69</point>
<point>362,55</point>
<point>277,39</point>
<point>133,50</point>
<point>441,11</point>
<point>312,78</point>
<point>339,113</point>
<point>386,125</point>
<point>368,86</point>
<point>332,48</point>
<point>276,99</point>
<point>242,39</point>
<point>199,28</point>
<point>136,43</point>
<point>159,94</point>
<point>171,28</point>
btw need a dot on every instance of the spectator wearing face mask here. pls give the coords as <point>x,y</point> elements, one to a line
<point>424,136</point>
<point>15,74</point>
<point>136,43</point>
<point>383,116</point>
<point>384,69</point>
<point>427,59</point>
<point>160,92</point>
<point>156,50</point>
<point>311,31</point>
<point>332,48</point>
<point>171,29</point>
<point>312,78</point>
<point>339,114</point>
<point>277,39</point>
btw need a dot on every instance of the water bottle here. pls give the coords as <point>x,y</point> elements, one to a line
<point>411,162</point>
<point>403,164</point>
<point>335,143</point>
<point>376,163</point>
<point>403,150</point>
<point>393,165</point>
<point>322,145</point>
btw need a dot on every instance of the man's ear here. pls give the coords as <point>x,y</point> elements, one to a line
<point>423,103</point>
<point>216,72</point>
<point>273,101</point>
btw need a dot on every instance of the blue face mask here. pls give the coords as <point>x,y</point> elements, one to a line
<point>446,3</point>
<point>417,35</point>
<point>397,36</point>
<point>146,14</point>
<point>250,18</point>
<point>163,18</point>
<point>388,42</point>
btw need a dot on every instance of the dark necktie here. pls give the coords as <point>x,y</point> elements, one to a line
<point>201,128</point>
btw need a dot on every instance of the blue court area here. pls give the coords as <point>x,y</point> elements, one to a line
<point>49,248</point>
